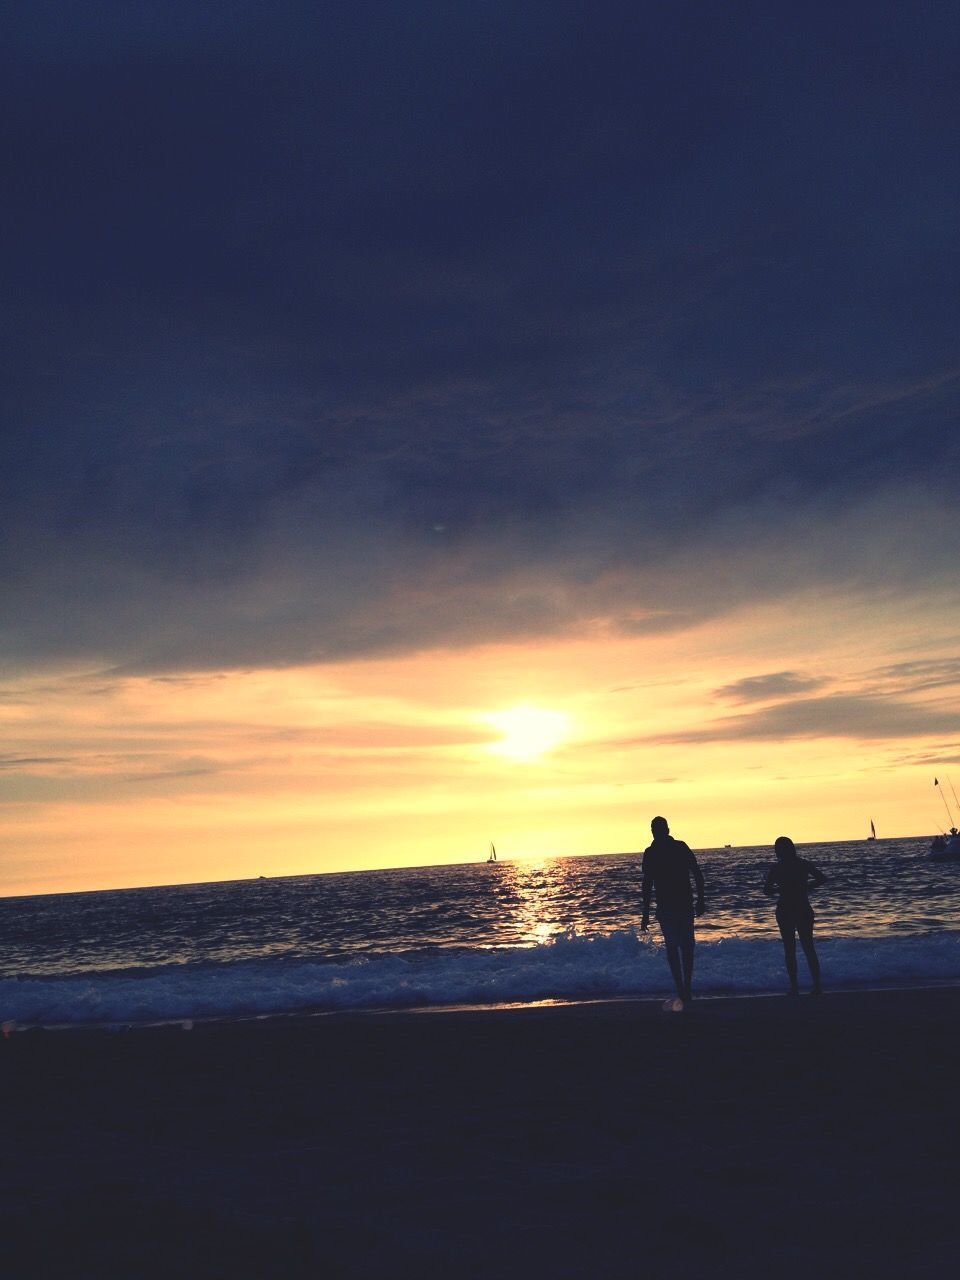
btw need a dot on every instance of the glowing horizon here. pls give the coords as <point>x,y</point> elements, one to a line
<point>559,748</point>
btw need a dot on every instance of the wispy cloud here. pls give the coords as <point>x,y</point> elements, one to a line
<point>766,688</point>
<point>28,762</point>
<point>946,755</point>
<point>165,775</point>
<point>918,675</point>
<point>833,716</point>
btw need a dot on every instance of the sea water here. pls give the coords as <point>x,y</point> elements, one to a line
<point>524,930</point>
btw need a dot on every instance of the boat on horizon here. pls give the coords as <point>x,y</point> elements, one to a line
<point>493,852</point>
<point>945,847</point>
<point>873,831</point>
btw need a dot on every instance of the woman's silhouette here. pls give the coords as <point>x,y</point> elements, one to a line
<point>792,877</point>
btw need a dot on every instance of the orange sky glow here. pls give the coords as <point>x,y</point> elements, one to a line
<point>737,730</point>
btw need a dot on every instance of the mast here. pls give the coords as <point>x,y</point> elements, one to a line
<point>936,783</point>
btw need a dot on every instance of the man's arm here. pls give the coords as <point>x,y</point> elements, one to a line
<point>647,892</point>
<point>698,877</point>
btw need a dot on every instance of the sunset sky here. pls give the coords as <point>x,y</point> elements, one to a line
<point>433,423</point>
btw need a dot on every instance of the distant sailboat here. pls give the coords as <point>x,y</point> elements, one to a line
<point>873,831</point>
<point>493,853</point>
<point>946,847</point>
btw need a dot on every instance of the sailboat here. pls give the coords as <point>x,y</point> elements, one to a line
<point>946,847</point>
<point>873,831</point>
<point>493,853</point>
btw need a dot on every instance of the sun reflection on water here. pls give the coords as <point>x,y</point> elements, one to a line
<point>539,901</point>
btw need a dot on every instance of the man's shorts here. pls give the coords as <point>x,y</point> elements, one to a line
<point>676,925</point>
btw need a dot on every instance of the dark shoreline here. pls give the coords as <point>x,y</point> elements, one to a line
<point>808,1137</point>
<point>309,1017</point>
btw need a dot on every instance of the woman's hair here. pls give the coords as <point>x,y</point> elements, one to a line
<point>784,847</point>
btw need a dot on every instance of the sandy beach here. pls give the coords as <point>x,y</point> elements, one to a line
<point>760,1135</point>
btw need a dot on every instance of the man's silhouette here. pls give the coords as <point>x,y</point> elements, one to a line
<point>668,865</point>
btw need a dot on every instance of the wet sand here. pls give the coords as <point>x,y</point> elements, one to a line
<point>760,1136</point>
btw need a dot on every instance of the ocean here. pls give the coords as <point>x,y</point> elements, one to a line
<point>476,934</point>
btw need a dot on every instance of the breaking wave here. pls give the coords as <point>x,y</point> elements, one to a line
<point>571,967</point>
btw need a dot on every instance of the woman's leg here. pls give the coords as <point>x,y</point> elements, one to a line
<point>805,930</point>
<point>788,934</point>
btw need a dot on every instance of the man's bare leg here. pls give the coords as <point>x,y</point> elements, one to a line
<point>673,959</point>
<point>686,956</point>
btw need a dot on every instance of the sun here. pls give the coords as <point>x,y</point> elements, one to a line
<point>528,732</point>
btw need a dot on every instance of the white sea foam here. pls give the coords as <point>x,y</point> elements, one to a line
<point>570,967</point>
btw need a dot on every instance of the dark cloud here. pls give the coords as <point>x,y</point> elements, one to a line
<point>338,330</point>
<point>776,684</point>
<point>861,717</point>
